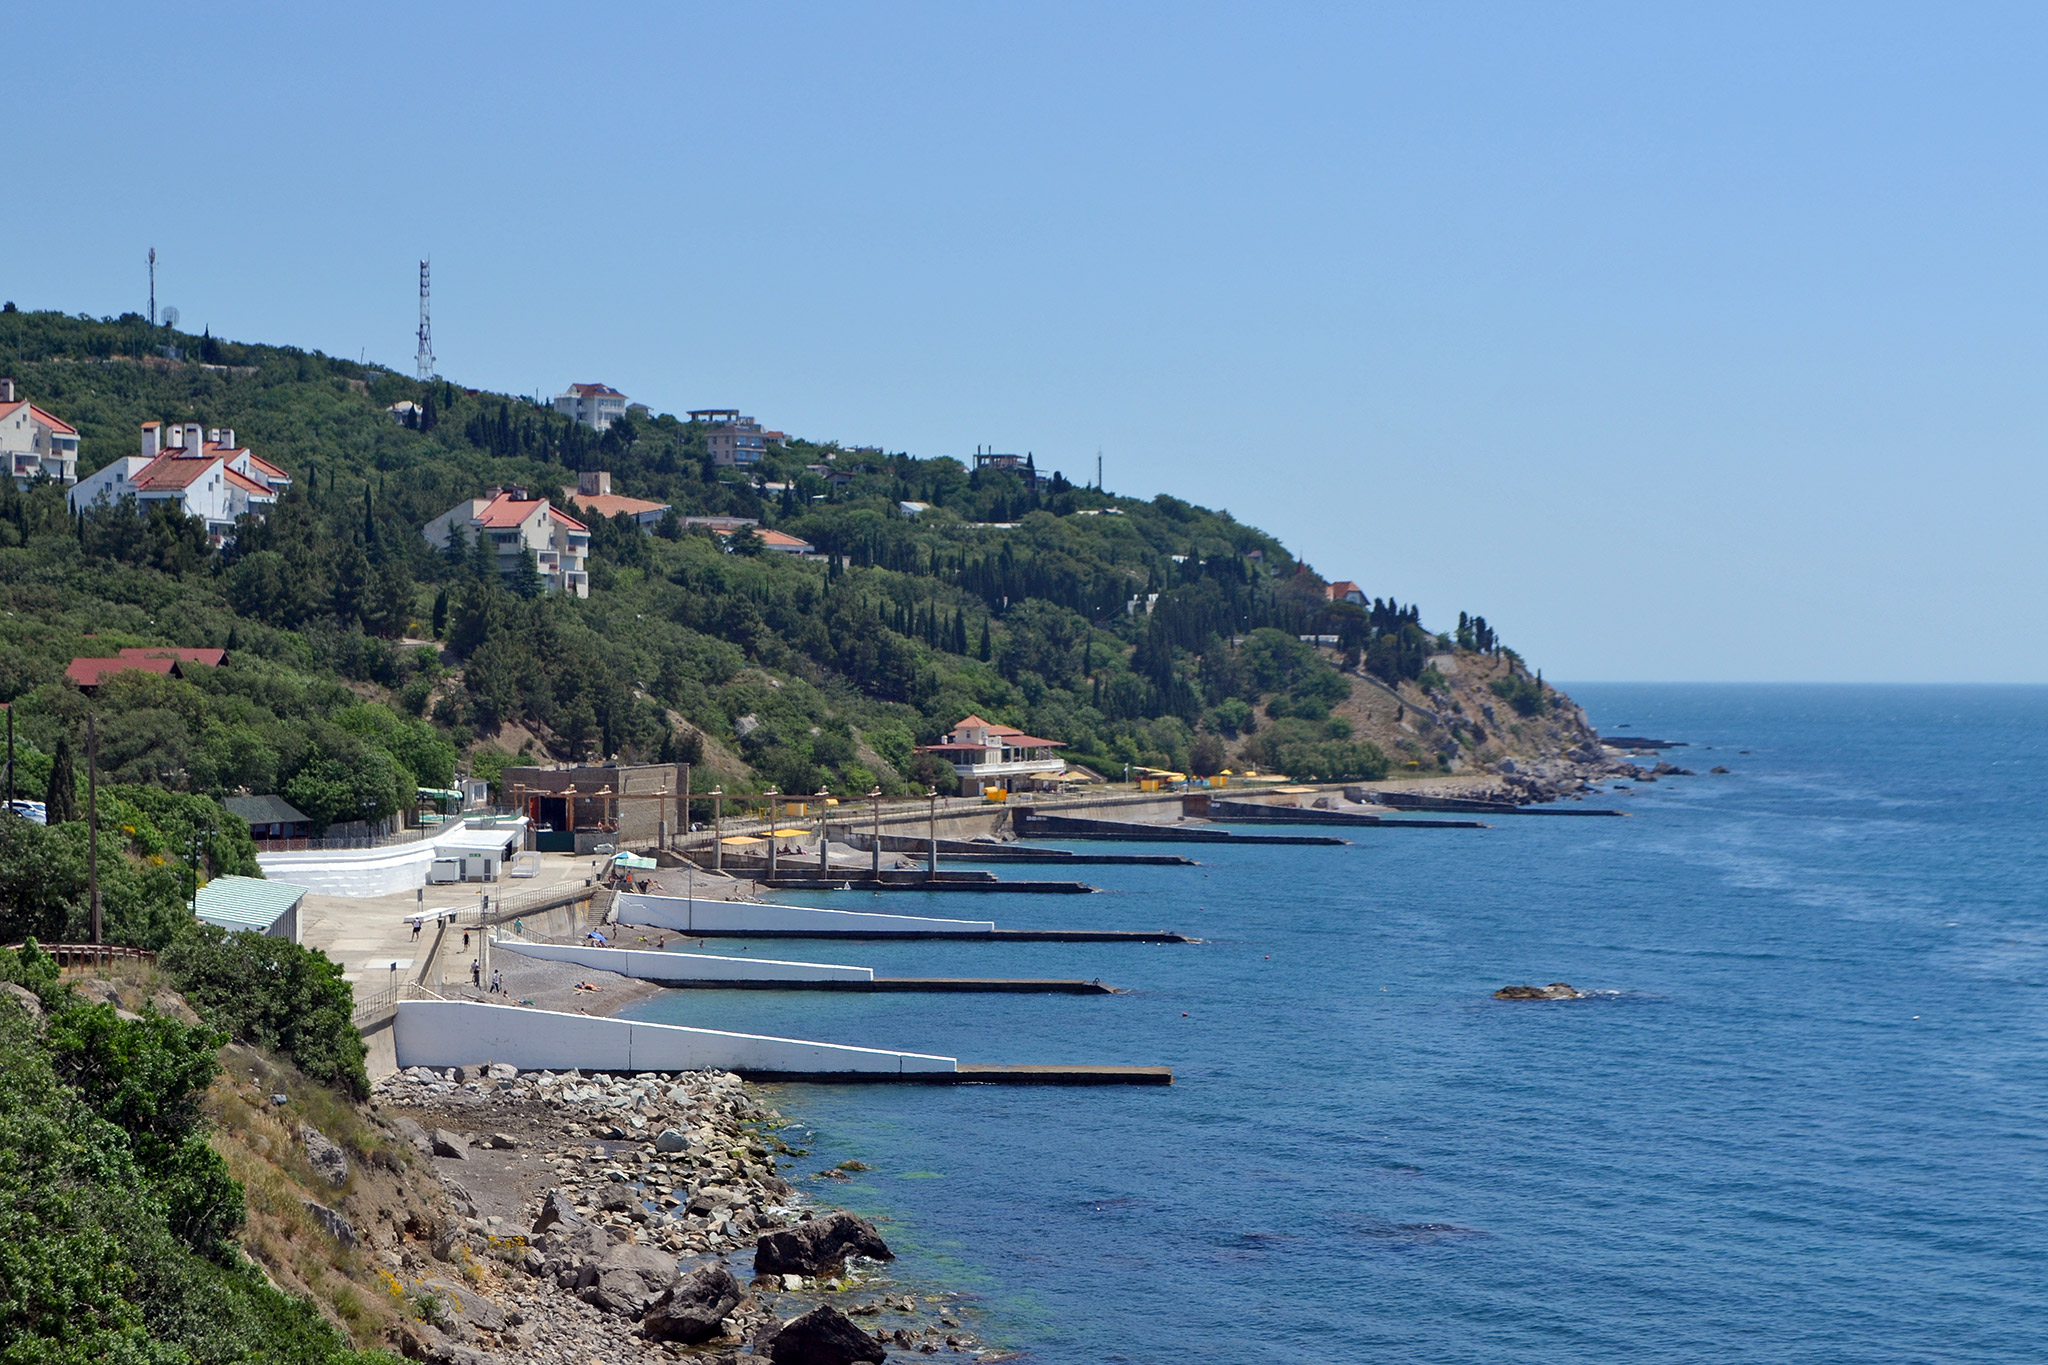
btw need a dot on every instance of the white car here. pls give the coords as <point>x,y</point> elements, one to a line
<point>32,811</point>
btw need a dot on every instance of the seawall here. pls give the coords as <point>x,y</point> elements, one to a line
<point>665,966</point>
<point>461,1033</point>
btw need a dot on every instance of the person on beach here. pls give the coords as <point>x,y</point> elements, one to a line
<point>415,931</point>
<point>465,939</point>
<point>476,971</point>
<point>497,983</point>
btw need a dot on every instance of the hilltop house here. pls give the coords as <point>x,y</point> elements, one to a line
<point>1023,466</point>
<point>35,444</point>
<point>593,494</point>
<point>990,755</point>
<point>733,441</point>
<point>202,473</point>
<point>1344,590</point>
<point>168,660</point>
<point>513,523</point>
<point>597,406</point>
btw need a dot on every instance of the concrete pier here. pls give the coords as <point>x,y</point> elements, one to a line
<point>1031,825</point>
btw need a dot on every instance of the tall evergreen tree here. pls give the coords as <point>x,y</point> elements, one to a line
<point>987,650</point>
<point>60,800</point>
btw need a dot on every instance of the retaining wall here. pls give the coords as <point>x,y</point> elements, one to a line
<point>644,965</point>
<point>464,1032</point>
<point>706,916</point>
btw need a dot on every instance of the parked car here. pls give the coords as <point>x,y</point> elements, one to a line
<point>32,811</point>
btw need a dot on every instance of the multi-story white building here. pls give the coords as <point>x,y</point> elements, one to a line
<point>35,444</point>
<point>733,440</point>
<point>511,523</point>
<point>991,755</point>
<point>201,472</point>
<point>597,406</point>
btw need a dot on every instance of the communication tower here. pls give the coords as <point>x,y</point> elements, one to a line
<point>425,360</point>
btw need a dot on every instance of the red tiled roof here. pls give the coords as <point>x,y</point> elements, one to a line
<point>212,658</point>
<point>597,390</point>
<point>559,515</point>
<point>173,470</point>
<point>55,424</point>
<point>93,672</point>
<point>1017,739</point>
<point>504,510</point>
<point>612,504</point>
<point>266,468</point>
<point>249,484</point>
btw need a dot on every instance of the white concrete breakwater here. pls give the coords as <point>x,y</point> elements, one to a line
<point>694,916</point>
<point>665,966</point>
<point>464,1032</point>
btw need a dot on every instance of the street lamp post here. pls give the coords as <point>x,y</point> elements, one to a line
<point>824,846</point>
<point>875,799</point>
<point>718,829</point>
<point>931,797</point>
<point>773,802</point>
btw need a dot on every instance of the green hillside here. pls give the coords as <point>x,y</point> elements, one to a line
<point>800,673</point>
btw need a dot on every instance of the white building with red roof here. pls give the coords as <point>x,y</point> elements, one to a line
<point>511,524</point>
<point>201,472</point>
<point>996,755</point>
<point>35,444</point>
<point>597,406</point>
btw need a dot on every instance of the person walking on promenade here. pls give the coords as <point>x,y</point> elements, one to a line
<point>497,983</point>
<point>476,971</point>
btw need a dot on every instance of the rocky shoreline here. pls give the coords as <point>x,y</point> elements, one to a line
<point>607,1218</point>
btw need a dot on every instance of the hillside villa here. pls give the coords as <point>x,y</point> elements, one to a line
<point>201,472</point>
<point>1344,590</point>
<point>514,523</point>
<point>35,444</point>
<point>597,406</point>
<point>988,755</point>
<point>733,441</point>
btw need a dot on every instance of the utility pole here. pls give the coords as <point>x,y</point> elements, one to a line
<point>152,287</point>
<point>92,822</point>
<point>931,796</point>
<point>772,823</point>
<point>10,759</point>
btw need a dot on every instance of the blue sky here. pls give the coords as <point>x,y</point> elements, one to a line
<point>1683,342</point>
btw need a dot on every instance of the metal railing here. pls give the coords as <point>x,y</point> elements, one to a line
<point>70,955</point>
<point>382,1001</point>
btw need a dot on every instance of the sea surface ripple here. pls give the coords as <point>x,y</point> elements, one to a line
<point>1802,1117</point>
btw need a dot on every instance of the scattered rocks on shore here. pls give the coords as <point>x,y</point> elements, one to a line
<point>819,1247</point>
<point>636,1190</point>
<point>1556,990</point>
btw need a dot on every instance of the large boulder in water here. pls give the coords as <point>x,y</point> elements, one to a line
<point>819,1247</point>
<point>694,1306</point>
<point>823,1336</point>
<point>1556,990</point>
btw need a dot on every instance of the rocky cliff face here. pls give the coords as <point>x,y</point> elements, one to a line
<point>1481,716</point>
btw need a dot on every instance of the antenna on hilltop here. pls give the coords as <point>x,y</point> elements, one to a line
<point>425,359</point>
<point>152,286</point>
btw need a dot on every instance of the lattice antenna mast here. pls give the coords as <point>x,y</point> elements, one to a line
<point>152,286</point>
<point>425,360</point>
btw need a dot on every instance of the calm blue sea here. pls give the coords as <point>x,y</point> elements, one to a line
<point>1804,1119</point>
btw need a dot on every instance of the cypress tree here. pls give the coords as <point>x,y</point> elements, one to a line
<point>60,799</point>
<point>987,650</point>
<point>440,613</point>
